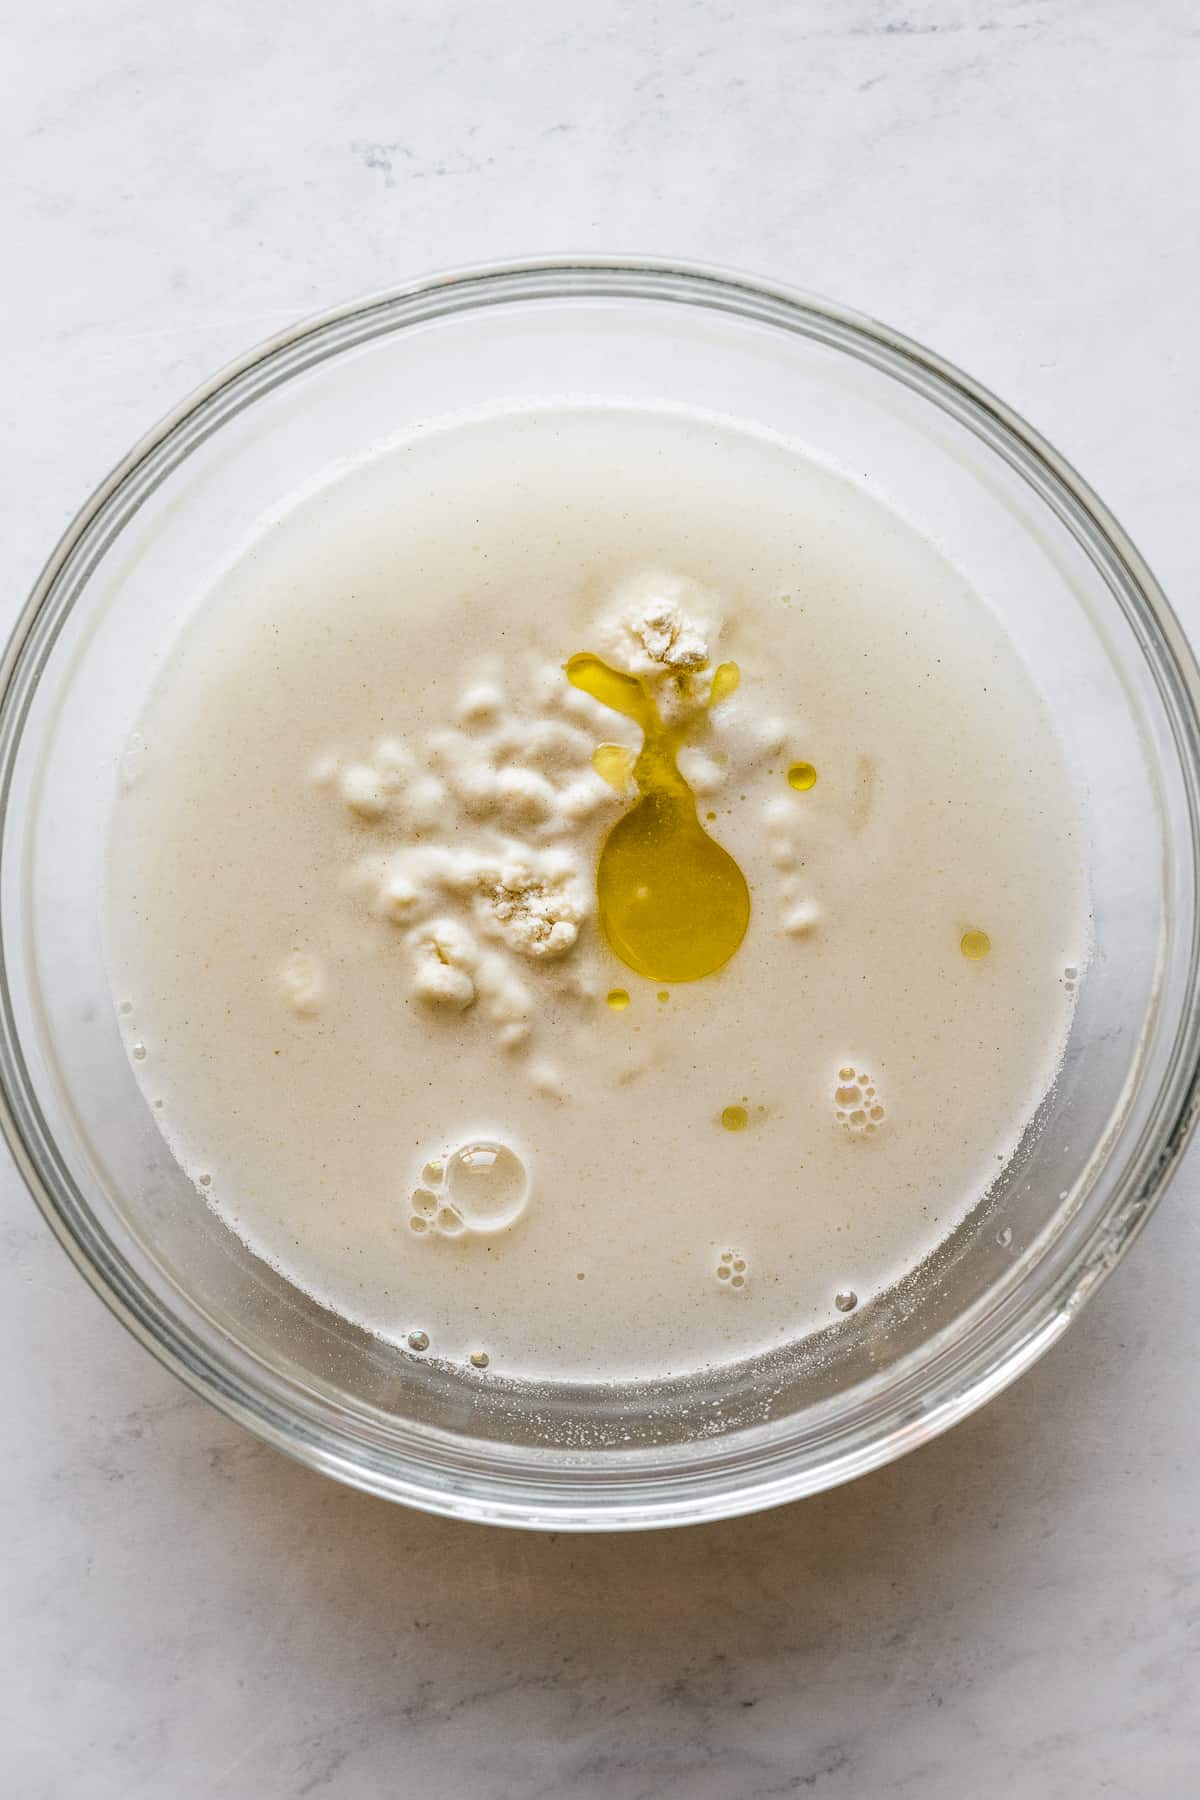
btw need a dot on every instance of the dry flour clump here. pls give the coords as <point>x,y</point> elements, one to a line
<point>535,903</point>
<point>517,902</point>
<point>660,625</point>
<point>472,848</point>
<point>445,957</point>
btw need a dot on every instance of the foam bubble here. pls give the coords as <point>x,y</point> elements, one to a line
<point>857,1106</point>
<point>733,1269</point>
<point>488,1185</point>
<point>481,1188</point>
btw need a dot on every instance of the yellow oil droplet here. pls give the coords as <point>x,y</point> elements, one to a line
<point>663,997</point>
<point>735,1118</point>
<point>673,903</point>
<point>618,999</point>
<point>725,681</point>
<point>802,776</point>
<point>975,945</point>
<point>614,764</point>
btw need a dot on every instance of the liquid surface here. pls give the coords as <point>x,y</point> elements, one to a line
<point>359,873</point>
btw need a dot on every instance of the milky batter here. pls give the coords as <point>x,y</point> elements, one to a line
<point>597,895</point>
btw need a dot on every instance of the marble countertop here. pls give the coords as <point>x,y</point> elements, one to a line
<point>1014,1610</point>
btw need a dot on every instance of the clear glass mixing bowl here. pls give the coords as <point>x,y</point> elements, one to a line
<point>1091,625</point>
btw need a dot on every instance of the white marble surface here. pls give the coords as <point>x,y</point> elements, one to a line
<point>1013,1611</point>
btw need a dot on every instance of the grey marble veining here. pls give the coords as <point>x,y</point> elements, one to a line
<point>1015,1610</point>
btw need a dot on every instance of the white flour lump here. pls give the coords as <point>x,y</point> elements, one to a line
<point>476,853</point>
<point>660,624</point>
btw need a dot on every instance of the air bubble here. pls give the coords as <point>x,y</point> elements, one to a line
<point>139,1053</point>
<point>418,1340</point>
<point>1004,1236</point>
<point>449,1222</point>
<point>846,1300</point>
<point>204,1180</point>
<point>418,1224</point>
<point>480,1359</point>
<point>424,1202</point>
<point>488,1185</point>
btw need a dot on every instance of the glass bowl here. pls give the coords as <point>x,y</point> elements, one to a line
<point>1087,618</point>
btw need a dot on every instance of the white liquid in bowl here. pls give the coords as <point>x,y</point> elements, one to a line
<point>352,908</point>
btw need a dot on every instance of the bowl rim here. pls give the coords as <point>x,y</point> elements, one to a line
<point>312,1433</point>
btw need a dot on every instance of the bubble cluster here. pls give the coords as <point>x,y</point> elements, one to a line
<point>733,1269</point>
<point>480,1189</point>
<point>858,1108</point>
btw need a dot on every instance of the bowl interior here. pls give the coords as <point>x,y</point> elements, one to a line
<point>1092,632</point>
